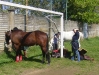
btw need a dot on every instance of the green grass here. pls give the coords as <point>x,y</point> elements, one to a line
<point>9,67</point>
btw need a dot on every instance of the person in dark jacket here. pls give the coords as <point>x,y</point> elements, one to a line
<point>75,45</point>
<point>56,39</point>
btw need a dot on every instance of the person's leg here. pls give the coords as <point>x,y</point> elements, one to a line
<point>73,57</point>
<point>78,55</point>
<point>55,47</point>
<point>25,53</point>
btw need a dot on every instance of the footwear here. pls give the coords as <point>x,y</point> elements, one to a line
<point>17,59</point>
<point>20,58</point>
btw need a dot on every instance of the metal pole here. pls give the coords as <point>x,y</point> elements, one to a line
<point>26,15</point>
<point>50,24</point>
<point>66,9</point>
<point>25,22</point>
<point>62,36</point>
<point>66,16</point>
<point>51,4</point>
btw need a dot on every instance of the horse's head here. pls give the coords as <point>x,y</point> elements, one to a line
<point>7,37</point>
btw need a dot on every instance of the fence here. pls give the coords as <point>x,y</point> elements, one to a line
<point>4,22</point>
<point>38,23</point>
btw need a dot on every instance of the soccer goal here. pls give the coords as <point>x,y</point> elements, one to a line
<point>23,7</point>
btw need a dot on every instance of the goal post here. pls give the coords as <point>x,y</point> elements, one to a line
<point>41,10</point>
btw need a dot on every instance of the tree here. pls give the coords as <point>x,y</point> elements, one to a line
<point>60,6</point>
<point>38,4</point>
<point>83,10</point>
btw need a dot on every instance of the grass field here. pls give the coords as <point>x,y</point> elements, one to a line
<point>59,66</point>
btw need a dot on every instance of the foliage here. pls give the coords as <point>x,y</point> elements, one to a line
<point>83,10</point>
<point>59,5</point>
<point>39,4</point>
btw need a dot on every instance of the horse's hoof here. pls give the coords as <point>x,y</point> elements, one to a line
<point>48,63</point>
<point>43,62</point>
<point>16,61</point>
<point>25,58</point>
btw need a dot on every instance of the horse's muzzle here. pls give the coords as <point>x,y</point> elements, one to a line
<point>8,45</point>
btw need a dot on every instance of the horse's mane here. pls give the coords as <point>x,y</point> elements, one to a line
<point>17,30</point>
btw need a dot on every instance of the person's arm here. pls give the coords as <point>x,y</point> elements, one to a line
<point>77,35</point>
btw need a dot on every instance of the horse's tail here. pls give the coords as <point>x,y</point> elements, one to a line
<point>48,54</point>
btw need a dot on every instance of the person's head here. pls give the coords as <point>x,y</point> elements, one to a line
<point>75,30</point>
<point>58,33</point>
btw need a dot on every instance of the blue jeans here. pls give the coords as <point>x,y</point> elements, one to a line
<point>75,53</point>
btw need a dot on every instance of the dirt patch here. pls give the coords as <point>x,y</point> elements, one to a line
<point>51,71</point>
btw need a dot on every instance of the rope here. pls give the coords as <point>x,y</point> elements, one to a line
<point>52,22</point>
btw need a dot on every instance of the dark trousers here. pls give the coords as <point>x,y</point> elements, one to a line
<point>55,46</point>
<point>75,51</point>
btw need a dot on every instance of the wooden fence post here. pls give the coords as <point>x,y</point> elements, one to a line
<point>11,19</point>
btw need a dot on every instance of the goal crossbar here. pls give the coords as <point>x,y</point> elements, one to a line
<point>41,10</point>
<point>29,7</point>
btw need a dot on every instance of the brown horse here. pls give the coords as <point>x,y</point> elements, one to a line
<point>20,38</point>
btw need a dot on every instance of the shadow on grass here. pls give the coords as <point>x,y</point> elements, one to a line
<point>9,53</point>
<point>34,58</point>
<point>5,62</point>
<point>9,57</point>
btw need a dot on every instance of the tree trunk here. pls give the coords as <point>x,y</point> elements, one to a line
<point>85,30</point>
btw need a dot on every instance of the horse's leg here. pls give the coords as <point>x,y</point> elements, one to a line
<point>18,53</point>
<point>45,52</point>
<point>17,56</point>
<point>48,57</point>
<point>43,58</point>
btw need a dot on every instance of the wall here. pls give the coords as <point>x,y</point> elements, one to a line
<point>4,22</point>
